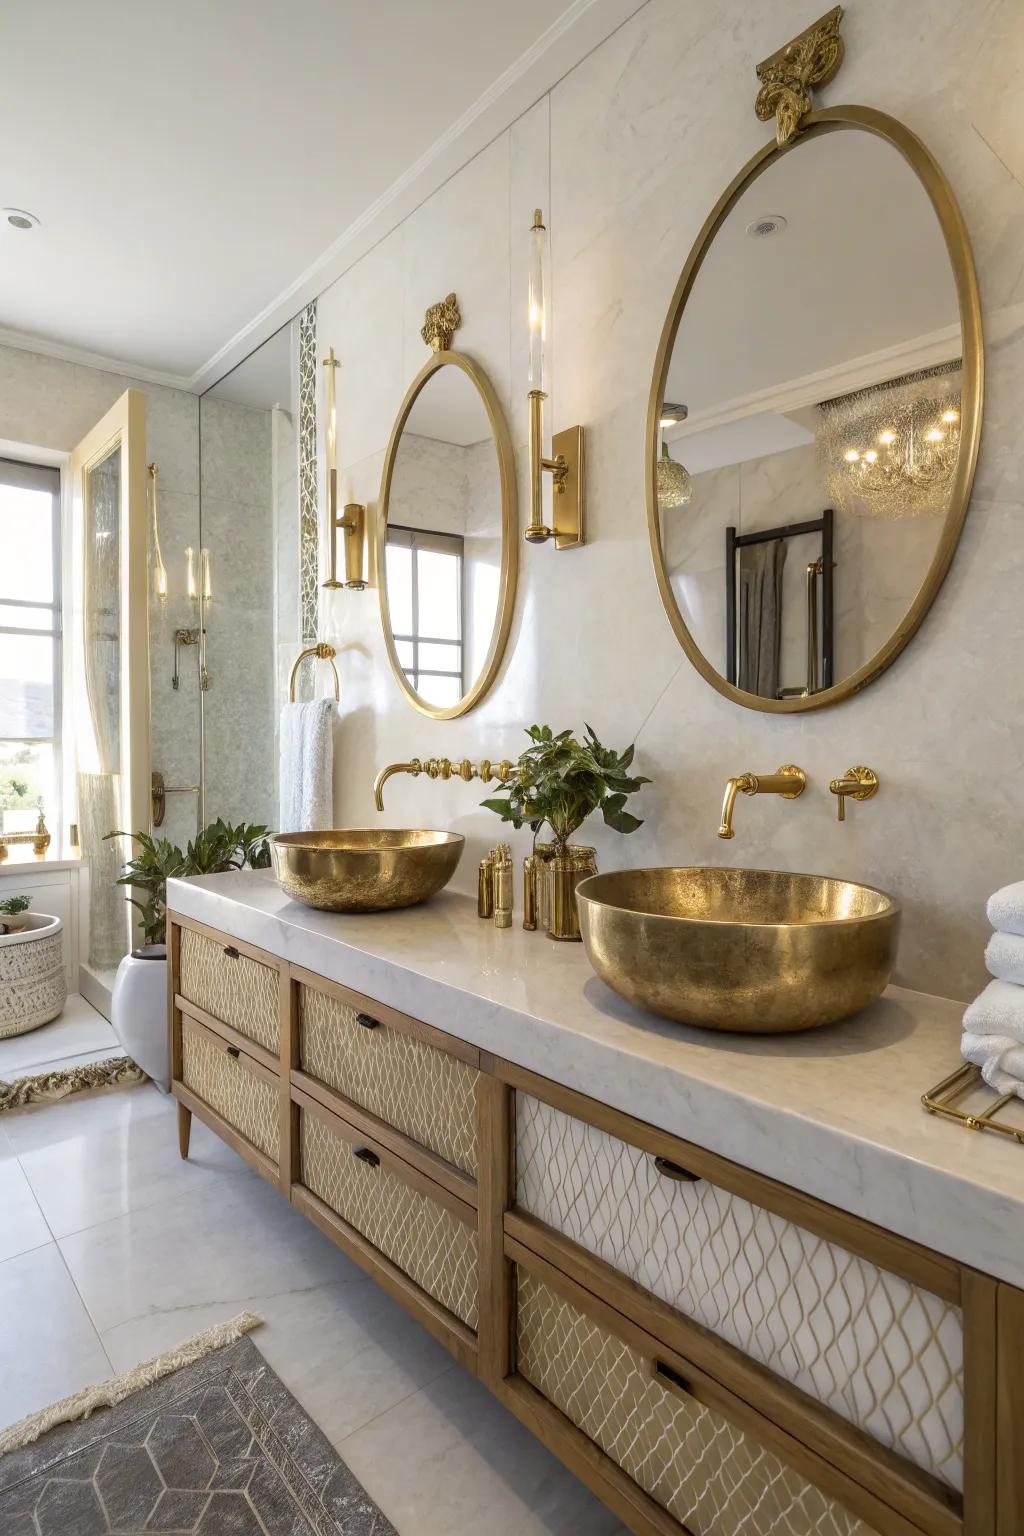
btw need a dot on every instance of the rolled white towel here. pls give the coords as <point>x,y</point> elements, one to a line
<point>1001,1061</point>
<point>1006,909</point>
<point>998,1011</point>
<point>1004,956</point>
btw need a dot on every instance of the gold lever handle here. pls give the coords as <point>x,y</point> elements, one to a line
<point>857,784</point>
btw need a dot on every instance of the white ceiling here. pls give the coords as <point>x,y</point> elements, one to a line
<point>189,162</point>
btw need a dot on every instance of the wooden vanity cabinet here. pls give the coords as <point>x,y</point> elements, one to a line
<point>710,1351</point>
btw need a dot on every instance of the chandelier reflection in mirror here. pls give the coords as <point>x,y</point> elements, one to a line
<point>891,451</point>
<point>673,483</point>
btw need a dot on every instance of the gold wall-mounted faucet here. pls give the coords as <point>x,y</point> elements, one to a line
<point>789,782</point>
<point>444,768</point>
<point>857,784</point>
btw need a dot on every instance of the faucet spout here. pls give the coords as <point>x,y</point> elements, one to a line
<point>414,768</point>
<point>789,782</point>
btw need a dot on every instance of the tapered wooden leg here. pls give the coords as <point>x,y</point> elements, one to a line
<point>184,1129</point>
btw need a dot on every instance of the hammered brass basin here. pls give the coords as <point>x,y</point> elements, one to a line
<point>358,869</point>
<point>753,950</point>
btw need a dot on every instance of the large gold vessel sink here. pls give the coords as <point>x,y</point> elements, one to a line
<point>359,869</point>
<point>753,950</point>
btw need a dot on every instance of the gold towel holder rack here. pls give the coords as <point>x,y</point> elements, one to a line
<point>323,652</point>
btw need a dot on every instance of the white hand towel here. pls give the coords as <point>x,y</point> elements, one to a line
<point>1006,909</point>
<point>1001,1061</point>
<point>998,1011</point>
<point>1004,957</point>
<point>307,767</point>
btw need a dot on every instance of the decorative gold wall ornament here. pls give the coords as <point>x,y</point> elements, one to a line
<point>440,324</point>
<point>786,77</point>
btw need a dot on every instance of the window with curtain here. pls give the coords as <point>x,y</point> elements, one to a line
<point>426,600</point>
<point>30,645</point>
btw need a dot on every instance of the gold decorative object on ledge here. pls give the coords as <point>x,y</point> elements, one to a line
<point>444,768</point>
<point>323,652</point>
<point>946,1099</point>
<point>786,77</point>
<point>440,324</point>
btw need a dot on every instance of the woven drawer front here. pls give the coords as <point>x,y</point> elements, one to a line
<point>233,1088</point>
<point>884,1354</point>
<point>712,1477</point>
<point>238,991</point>
<point>420,1235</point>
<point>421,1091</point>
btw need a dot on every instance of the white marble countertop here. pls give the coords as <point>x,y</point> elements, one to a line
<point>835,1112</point>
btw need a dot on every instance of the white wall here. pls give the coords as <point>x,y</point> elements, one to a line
<point>627,155</point>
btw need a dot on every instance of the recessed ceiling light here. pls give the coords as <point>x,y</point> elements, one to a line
<point>768,224</point>
<point>20,218</point>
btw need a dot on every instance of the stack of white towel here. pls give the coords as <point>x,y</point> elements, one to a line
<point>993,1037</point>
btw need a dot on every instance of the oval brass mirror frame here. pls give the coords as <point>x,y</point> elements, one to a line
<point>931,176</point>
<point>509,535</point>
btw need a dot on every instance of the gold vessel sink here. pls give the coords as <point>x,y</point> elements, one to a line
<point>364,870</point>
<point>753,950</point>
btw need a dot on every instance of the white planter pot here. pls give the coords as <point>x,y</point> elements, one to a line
<point>33,982</point>
<point>138,1011</point>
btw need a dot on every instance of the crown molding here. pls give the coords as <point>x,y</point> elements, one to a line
<point>581,28</point>
<point>134,372</point>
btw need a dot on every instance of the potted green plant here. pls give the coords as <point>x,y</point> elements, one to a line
<point>138,1001</point>
<point>14,914</point>
<point>558,782</point>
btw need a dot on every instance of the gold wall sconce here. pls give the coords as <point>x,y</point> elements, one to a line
<point>159,569</point>
<point>353,519</point>
<point>565,464</point>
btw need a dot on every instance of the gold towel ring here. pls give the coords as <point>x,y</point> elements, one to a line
<point>323,652</point>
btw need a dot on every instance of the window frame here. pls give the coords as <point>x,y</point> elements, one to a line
<point>439,542</point>
<point>46,477</point>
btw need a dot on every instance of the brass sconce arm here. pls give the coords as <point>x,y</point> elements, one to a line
<point>353,525</point>
<point>857,783</point>
<point>789,782</point>
<point>443,768</point>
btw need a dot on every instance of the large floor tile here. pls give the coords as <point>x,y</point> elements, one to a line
<point>79,1029</point>
<point>465,1465</point>
<point>346,1350</point>
<point>227,1242</point>
<point>22,1224</point>
<point>48,1345</point>
<point>64,1121</point>
<point>92,1174</point>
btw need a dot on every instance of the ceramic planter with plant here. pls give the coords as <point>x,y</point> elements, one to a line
<point>139,999</point>
<point>559,781</point>
<point>33,981</point>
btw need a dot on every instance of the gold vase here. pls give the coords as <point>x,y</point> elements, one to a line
<point>564,873</point>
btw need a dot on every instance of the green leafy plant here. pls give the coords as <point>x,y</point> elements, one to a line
<point>560,781</point>
<point>13,905</point>
<point>218,847</point>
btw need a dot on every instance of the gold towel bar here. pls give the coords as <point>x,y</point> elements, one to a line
<point>323,652</point>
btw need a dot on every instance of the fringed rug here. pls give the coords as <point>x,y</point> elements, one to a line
<point>219,1447</point>
<point>47,1087</point>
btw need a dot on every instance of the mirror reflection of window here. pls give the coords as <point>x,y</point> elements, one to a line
<point>425,592</point>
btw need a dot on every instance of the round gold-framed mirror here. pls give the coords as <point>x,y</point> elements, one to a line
<point>815,414</point>
<point>448,538</point>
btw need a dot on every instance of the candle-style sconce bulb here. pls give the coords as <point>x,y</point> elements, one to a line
<point>562,458</point>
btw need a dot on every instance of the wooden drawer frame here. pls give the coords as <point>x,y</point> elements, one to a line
<point>886,1491</point>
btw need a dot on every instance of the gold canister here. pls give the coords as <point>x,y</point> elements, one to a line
<point>565,872</point>
<point>531,870</point>
<point>503,887</point>
<point>485,889</point>
<point>543,853</point>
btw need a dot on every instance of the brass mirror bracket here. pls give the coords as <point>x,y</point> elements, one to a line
<point>440,324</point>
<point>566,468</point>
<point>857,784</point>
<point>811,59</point>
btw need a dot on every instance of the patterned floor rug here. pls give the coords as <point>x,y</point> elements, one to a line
<point>219,1448</point>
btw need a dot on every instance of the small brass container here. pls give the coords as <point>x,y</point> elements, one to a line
<point>543,853</point>
<point>503,887</point>
<point>531,869</point>
<point>565,872</point>
<point>485,888</point>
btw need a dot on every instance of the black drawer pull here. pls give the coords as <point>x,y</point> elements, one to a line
<point>672,1377</point>
<point>367,1021</point>
<point>231,952</point>
<point>366,1156</point>
<point>673,1171</point>
<point>233,1050</point>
